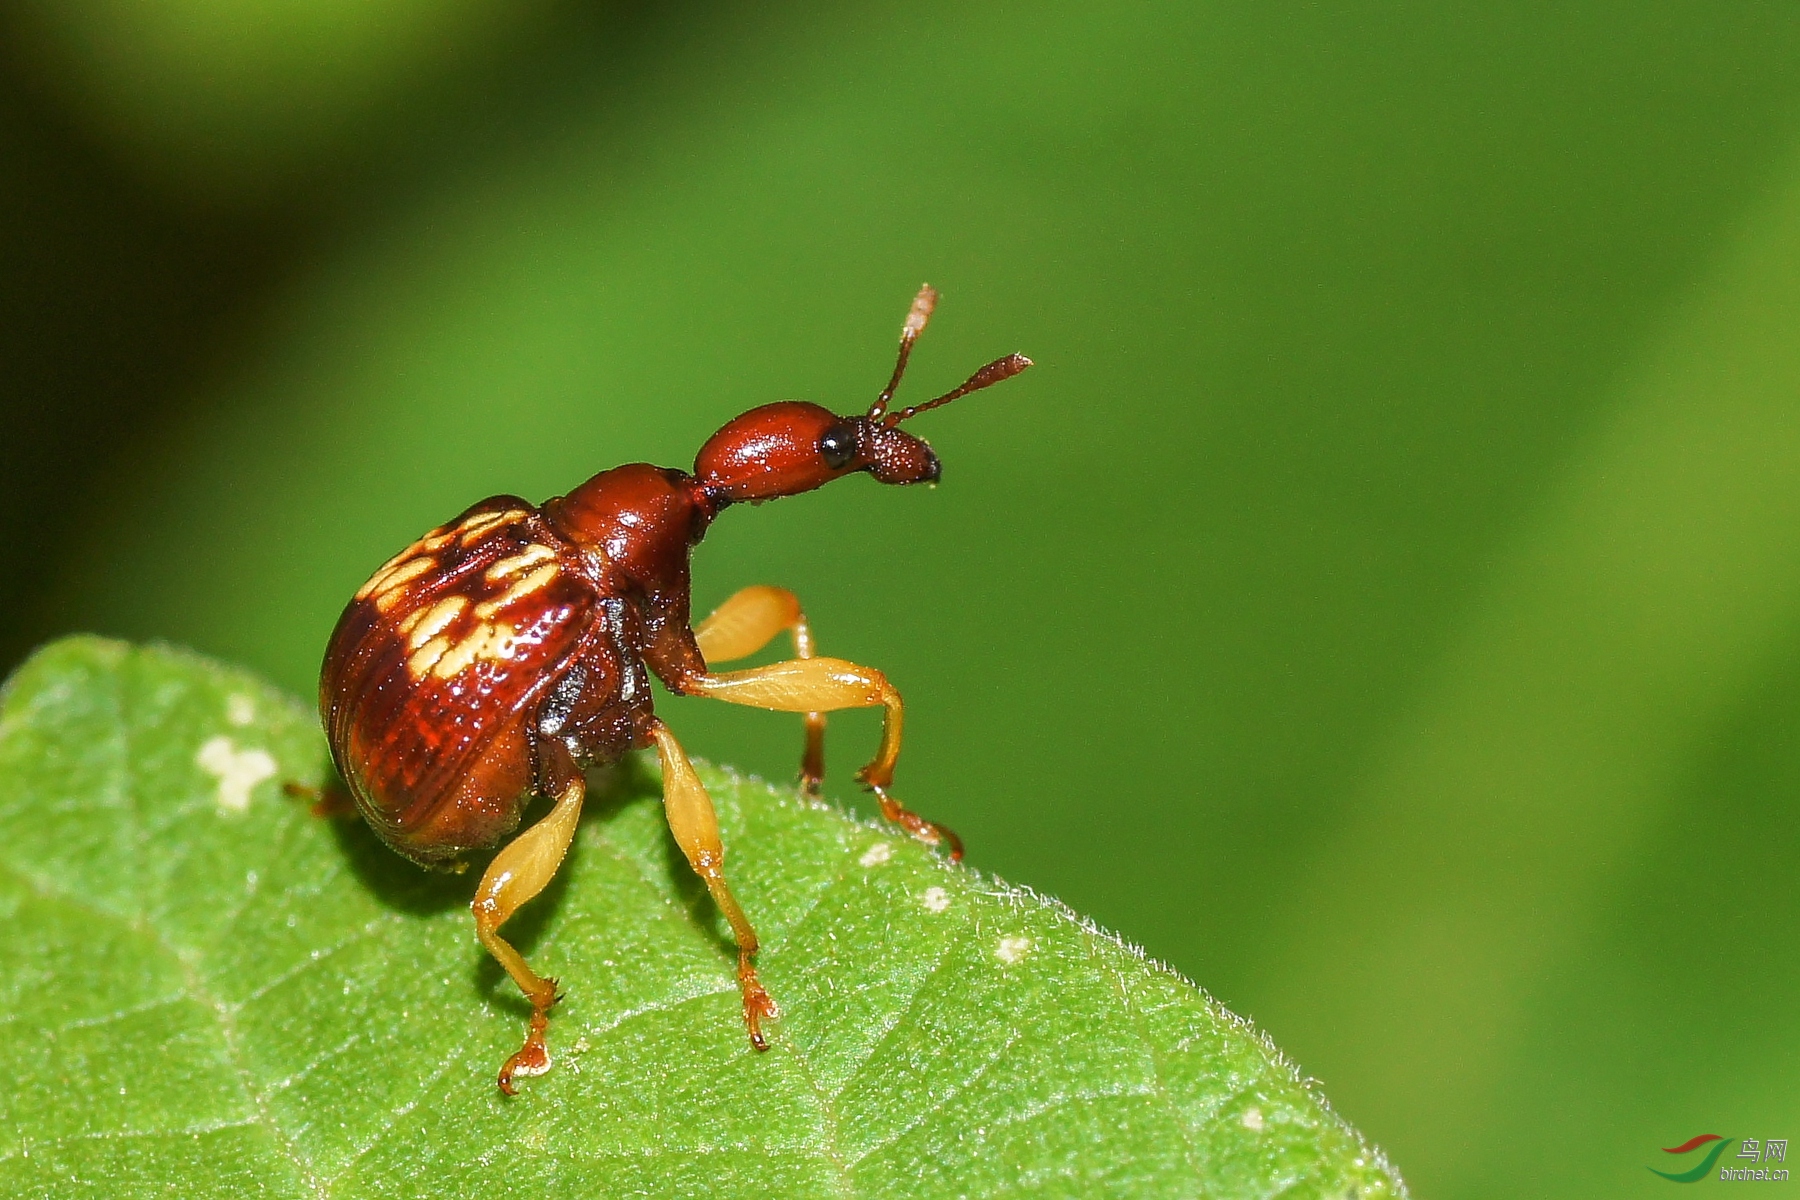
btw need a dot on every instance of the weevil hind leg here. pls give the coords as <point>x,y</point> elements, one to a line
<point>823,685</point>
<point>519,872</point>
<point>696,829</point>
<point>749,620</point>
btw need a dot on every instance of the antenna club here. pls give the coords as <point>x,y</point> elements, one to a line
<point>995,372</point>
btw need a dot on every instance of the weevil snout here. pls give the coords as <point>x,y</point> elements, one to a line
<point>895,456</point>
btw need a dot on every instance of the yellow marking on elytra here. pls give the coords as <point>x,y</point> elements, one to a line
<point>384,570</point>
<point>480,523</point>
<point>529,556</point>
<point>392,577</point>
<point>518,591</point>
<point>484,642</point>
<point>422,660</point>
<point>433,542</point>
<point>433,620</point>
<point>393,590</point>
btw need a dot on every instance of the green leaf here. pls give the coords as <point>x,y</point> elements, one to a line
<point>207,991</point>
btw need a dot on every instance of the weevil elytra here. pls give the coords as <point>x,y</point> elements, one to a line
<point>500,654</point>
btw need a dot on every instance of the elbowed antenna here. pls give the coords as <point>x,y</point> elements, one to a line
<point>996,371</point>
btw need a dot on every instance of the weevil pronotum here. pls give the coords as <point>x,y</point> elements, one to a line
<point>500,654</point>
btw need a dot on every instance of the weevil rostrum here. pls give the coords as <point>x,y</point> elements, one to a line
<point>500,654</point>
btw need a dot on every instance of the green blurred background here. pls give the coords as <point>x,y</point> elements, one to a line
<point>1382,602</point>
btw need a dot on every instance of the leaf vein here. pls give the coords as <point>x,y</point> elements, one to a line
<point>121,1014</point>
<point>901,1014</point>
<point>937,1106</point>
<point>313,958</point>
<point>1190,1150</point>
<point>109,1135</point>
<point>664,1004</point>
<point>396,1116</point>
<point>324,1056</point>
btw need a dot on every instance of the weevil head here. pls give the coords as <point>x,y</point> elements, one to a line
<point>792,447</point>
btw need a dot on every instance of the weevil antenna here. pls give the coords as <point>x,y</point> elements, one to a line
<point>996,371</point>
<point>920,313</point>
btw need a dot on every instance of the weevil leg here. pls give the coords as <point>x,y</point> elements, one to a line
<point>519,872</point>
<point>744,624</point>
<point>824,685</point>
<point>325,802</point>
<point>696,830</point>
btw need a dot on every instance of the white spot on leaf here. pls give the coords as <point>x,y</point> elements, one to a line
<point>935,899</point>
<point>877,854</point>
<point>1253,1119</point>
<point>240,709</point>
<point>238,771</point>
<point>1012,949</point>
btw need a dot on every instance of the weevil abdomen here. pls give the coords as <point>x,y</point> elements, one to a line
<point>435,670</point>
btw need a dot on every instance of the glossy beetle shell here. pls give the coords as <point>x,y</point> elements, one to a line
<point>437,668</point>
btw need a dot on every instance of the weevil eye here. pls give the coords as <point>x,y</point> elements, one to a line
<point>838,446</point>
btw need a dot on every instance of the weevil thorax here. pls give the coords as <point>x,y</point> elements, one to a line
<point>637,521</point>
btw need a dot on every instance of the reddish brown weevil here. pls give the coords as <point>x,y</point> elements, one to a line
<point>502,653</point>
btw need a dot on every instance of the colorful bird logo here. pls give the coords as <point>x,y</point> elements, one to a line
<point>1688,1147</point>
